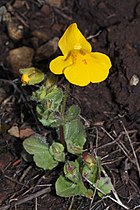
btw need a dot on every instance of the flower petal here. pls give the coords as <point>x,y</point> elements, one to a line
<point>77,74</point>
<point>102,58</point>
<point>99,68</point>
<point>73,39</point>
<point>58,65</point>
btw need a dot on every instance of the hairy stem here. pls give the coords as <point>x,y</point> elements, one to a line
<point>63,108</point>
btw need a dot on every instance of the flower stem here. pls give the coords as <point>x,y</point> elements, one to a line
<point>63,108</point>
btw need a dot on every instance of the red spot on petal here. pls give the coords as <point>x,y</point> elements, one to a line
<point>84,61</point>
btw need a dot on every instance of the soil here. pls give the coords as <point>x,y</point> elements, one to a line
<point>111,109</point>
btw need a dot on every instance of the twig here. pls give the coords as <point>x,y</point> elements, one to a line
<point>15,181</point>
<point>36,204</point>
<point>25,173</point>
<point>137,207</point>
<point>71,204</point>
<point>58,11</point>
<point>120,144</point>
<point>94,192</point>
<point>135,156</point>
<point>114,140</point>
<point>32,196</point>
<point>95,35</point>
<point>27,198</point>
<point>112,161</point>
<point>97,138</point>
<point>115,193</point>
<point>23,98</point>
<point>117,200</point>
<point>97,203</point>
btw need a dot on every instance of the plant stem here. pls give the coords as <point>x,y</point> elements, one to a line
<point>63,107</point>
<point>62,138</point>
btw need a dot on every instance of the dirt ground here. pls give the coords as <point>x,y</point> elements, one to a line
<point>111,109</point>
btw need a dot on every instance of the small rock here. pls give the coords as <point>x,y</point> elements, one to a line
<point>47,50</point>
<point>57,27</point>
<point>45,10</point>
<point>35,42</point>
<point>15,30</point>
<point>134,80</point>
<point>14,131</point>
<point>41,35</point>
<point>20,58</point>
<point>26,132</point>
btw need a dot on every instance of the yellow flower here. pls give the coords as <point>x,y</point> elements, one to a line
<point>25,79</point>
<point>79,65</point>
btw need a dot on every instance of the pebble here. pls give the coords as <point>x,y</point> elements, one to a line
<point>15,31</point>
<point>47,50</point>
<point>41,35</point>
<point>20,58</point>
<point>134,80</point>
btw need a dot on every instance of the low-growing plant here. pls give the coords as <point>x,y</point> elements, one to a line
<point>82,170</point>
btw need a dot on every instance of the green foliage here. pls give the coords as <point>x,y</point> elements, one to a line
<point>105,186</point>
<point>42,156</point>
<point>48,109</point>
<point>47,117</point>
<point>71,183</point>
<point>91,169</point>
<point>91,173</point>
<point>66,188</point>
<point>85,167</point>
<point>57,151</point>
<point>72,113</point>
<point>40,94</point>
<point>71,171</point>
<point>75,136</point>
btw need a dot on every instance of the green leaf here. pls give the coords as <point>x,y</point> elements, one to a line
<point>40,150</point>
<point>72,113</point>
<point>49,108</point>
<point>48,117</point>
<point>75,136</point>
<point>66,188</point>
<point>55,97</point>
<point>91,173</point>
<point>74,148</point>
<point>71,170</point>
<point>40,94</point>
<point>105,185</point>
<point>57,151</point>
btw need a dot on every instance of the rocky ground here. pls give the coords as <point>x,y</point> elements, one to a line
<point>29,32</point>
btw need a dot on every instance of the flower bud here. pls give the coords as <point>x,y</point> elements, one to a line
<point>88,159</point>
<point>31,76</point>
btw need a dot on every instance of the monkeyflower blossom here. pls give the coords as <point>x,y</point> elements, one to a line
<point>79,64</point>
